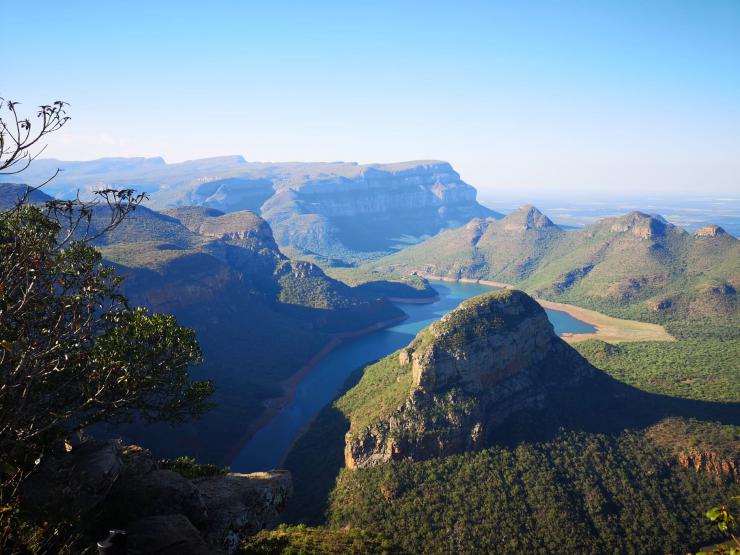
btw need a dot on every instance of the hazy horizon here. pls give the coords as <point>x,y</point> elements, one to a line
<point>576,98</point>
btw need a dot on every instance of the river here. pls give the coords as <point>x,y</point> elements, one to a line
<point>269,444</point>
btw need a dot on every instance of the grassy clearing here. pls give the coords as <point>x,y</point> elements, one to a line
<point>383,387</point>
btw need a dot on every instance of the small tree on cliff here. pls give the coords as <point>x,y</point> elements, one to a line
<point>72,353</point>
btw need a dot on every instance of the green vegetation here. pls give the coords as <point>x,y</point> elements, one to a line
<point>590,488</point>
<point>635,266</point>
<point>692,369</point>
<point>409,287</point>
<point>303,540</point>
<point>581,493</point>
<point>188,468</point>
<point>146,254</point>
<point>478,317</point>
<point>384,386</point>
<point>725,517</point>
<point>259,317</point>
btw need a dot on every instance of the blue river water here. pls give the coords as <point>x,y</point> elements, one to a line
<point>268,446</point>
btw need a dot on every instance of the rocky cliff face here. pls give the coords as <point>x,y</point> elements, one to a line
<point>710,231</point>
<point>370,209</point>
<point>700,446</point>
<point>711,463</point>
<point>112,486</point>
<point>491,357</point>
<point>385,188</point>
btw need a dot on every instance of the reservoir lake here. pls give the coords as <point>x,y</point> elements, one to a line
<point>268,446</point>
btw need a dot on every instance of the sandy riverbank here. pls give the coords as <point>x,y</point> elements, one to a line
<point>608,328</point>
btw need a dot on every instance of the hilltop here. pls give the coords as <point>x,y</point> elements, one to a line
<point>505,250</point>
<point>493,356</point>
<point>639,264</point>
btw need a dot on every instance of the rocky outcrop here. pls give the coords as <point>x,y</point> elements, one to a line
<point>659,305</point>
<point>710,231</point>
<point>491,357</point>
<point>710,463</point>
<point>699,446</point>
<point>111,486</point>
<point>240,505</point>
<point>233,227</point>
<point>90,471</point>
<point>641,225</point>
<point>165,535</point>
<point>525,218</point>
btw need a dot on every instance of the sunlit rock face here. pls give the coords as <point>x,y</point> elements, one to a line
<point>491,357</point>
<point>368,209</point>
<point>710,231</point>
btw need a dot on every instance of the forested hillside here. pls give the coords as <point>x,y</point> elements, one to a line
<point>627,460</point>
<point>634,266</point>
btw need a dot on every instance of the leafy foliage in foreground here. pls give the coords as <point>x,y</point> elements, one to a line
<point>581,493</point>
<point>303,540</point>
<point>726,521</point>
<point>73,354</point>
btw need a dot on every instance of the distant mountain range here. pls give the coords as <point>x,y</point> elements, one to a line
<point>636,265</point>
<point>337,212</point>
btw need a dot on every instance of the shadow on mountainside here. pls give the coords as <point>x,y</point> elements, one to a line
<point>605,405</point>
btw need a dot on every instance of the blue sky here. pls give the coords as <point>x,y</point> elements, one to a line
<point>519,96</point>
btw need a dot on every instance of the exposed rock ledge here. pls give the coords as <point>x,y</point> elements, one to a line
<point>492,356</point>
<point>111,486</point>
<point>711,463</point>
<point>712,230</point>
